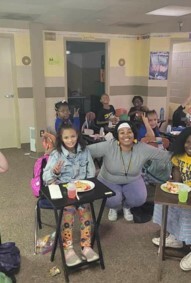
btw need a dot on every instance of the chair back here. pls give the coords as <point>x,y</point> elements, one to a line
<point>90,116</point>
<point>154,141</point>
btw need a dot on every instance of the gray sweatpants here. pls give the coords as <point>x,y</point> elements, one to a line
<point>128,195</point>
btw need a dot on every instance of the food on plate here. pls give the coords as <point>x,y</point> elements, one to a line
<point>82,186</point>
<point>172,187</point>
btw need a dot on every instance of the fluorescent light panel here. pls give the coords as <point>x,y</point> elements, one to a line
<point>173,11</point>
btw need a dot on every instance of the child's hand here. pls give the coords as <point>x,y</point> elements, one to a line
<point>139,113</point>
<point>144,118</point>
<point>57,167</point>
<point>76,112</point>
<point>114,120</point>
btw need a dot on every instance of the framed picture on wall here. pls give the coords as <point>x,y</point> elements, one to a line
<point>158,68</point>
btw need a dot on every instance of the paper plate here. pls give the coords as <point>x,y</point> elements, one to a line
<point>90,184</point>
<point>180,185</point>
<point>175,133</point>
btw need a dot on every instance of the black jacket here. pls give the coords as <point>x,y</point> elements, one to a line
<point>179,117</point>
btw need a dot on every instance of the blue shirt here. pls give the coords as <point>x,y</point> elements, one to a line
<point>76,166</point>
<point>142,132</point>
<point>59,122</point>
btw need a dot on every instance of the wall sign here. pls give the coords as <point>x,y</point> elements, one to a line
<point>158,69</point>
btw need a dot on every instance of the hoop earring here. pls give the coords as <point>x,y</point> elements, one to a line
<point>135,141</point>
<point>118,143</point>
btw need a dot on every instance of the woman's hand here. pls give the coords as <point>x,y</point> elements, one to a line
<point>58,166</point>
<point>76,112</point>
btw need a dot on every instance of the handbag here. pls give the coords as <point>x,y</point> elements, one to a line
<point>9,258</point>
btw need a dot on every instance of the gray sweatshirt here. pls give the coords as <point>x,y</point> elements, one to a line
<point>117,163</point>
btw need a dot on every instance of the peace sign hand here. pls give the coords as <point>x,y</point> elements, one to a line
<point>57,167</point>
<point>76,112</point>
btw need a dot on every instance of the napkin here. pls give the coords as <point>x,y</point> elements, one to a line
<point>55,192</point>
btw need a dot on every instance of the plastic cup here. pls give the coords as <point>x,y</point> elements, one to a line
<point>71,188</point>
<point>183,195</point>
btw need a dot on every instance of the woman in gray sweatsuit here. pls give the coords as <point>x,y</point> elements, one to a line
<point>123,159</point>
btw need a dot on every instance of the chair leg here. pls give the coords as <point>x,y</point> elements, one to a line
<point>36,230</point>
<point>38,215</point>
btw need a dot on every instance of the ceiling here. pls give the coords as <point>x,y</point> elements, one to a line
<point>97,16</point>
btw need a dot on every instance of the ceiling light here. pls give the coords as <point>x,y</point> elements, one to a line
<point>173,11</point>
<point>68,52</point>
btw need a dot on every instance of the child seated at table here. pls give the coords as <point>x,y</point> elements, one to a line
<point>149,127</point>
<point>179,219</point>
<point>138,109</point>
<point>107,113</point>
<point>179,116</point>
<point>71,160</point>
<point>63,116</point>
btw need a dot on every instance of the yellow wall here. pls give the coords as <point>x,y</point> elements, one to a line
<point>54,57</point>
<point>160,44</point>
<point>126,49</point>
<point>22,46</point>
<point>142,57</point>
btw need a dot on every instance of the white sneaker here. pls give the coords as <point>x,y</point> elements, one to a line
<point>89,254</point>
<point>185,263</point>
<point>112,215</point>
<point>171,242</point>
<point>71,257</point>
<point>127,214</point>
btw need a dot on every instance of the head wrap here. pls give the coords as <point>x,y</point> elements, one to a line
<point>123,125</point>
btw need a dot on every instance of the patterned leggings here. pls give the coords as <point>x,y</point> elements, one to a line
<point>85,219</point>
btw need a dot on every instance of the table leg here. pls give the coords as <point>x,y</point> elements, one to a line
<point>58,237</point>
<point>162,240</point>
<point>99,218</point>
<point>96,232</point>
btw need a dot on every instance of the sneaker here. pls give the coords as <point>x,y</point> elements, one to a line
<point>71,257</point>
<point>112,215</point>
<point>127,214</point>
<point>185,263</point>
<point>171,242</point>
<point>89,254</point>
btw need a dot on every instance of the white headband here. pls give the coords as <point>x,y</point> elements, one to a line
<point>123,125</point>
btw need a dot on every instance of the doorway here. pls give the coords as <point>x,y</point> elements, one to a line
<point>8,95</point>
<point>85,75</point>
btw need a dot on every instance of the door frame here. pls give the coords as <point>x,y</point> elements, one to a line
<point>96,40</point>
<point>172,42</point>
<point>15,90</point>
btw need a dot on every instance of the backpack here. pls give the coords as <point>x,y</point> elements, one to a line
<point>37,181</point>
<point>9,261</point>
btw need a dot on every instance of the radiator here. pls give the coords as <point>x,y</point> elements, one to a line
<point>32,139</point>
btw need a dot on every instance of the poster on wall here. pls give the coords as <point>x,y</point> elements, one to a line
<point>158,68</point>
